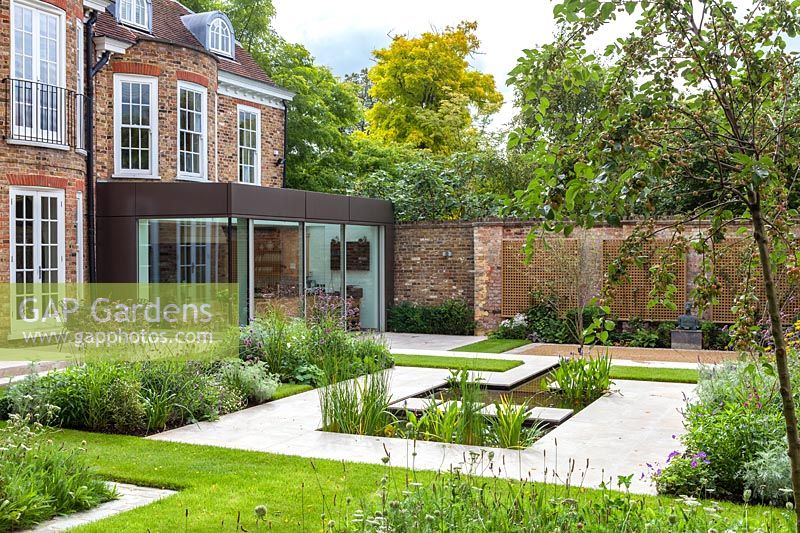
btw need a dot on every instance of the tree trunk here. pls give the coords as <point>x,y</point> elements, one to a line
<point>781,361</point>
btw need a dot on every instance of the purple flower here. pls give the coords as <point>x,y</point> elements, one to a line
<point>673,454</point>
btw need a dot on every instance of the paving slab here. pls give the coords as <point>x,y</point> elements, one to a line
<point>130,497</point>
<point>549,415</point>
<point>614,436</point>
<point>402,341</point>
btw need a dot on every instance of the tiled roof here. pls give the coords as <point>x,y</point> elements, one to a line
<point>168,27</point>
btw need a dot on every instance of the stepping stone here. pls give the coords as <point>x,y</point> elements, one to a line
<point>549,415</point>
<point>416,405</point>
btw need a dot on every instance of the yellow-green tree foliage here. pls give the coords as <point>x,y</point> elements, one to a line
<point>427,95</point>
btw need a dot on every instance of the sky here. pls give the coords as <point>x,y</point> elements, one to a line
<point>342,34</point>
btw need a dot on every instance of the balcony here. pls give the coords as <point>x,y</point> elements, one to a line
<point>43,115</point>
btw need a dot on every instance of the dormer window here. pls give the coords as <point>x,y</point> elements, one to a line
<point>135,13</point>
<point>220,38</point>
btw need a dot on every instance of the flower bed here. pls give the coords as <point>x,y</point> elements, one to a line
<point>40,479</point>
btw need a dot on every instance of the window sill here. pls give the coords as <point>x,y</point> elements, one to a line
<point>258,184</point>
<point>122,175</point>
<point>20,142</point>
<point>198,179</point>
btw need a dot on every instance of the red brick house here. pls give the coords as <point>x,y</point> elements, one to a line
<point>183,136</point>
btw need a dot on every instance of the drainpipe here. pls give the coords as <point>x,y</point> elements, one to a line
<point>89,135</point>
<point>285,138</point>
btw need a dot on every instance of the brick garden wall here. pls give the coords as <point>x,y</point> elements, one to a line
<point>433,263</point>
<point>424,273</point>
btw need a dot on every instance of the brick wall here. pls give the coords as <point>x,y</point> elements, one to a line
<point>171,63</point>
<point>433,263</point>
<point>424,274</point>
<point>271,141</point>
<point>29,166</point>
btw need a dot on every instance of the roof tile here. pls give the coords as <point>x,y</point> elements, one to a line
<point>168,27</point>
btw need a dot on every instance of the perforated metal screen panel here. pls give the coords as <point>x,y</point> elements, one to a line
<point>545,273</point>
<point>629,298</point>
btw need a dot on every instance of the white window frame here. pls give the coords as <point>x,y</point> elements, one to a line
<point>203,174</point>
<point>132,22</point>
<point>225,35</point>
<point>119,172</point>
<point>61,58</point>
<point>248,109</point>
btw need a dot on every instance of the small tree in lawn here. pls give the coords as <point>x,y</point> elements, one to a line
<point>698,101</point>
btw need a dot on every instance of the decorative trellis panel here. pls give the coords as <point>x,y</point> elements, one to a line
<point>734,268</point>
<point>630,296</point>
<point>544,273</point>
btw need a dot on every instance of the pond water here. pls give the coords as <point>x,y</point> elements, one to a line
<point>534,391</point>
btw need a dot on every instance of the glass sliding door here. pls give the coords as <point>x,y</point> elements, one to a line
<point>323,271</point>
<point>277,266</point>
<point>362,275</point>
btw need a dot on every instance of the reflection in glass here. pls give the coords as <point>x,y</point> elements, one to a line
<point>276,267</point>
<point>362,275</point>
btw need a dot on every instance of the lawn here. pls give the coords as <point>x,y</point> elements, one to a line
<point>456,363</point>
<point>492,345</point>
<point>217,484</point>
<point>643,373</point>
<point>636,373</point>
<point>285,390</point>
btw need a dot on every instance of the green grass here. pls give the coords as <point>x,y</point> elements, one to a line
<point>456,363</point>
<point>642,373</point>
<point>216,484</point>
<point>492,345</point>
<point>290,389</point>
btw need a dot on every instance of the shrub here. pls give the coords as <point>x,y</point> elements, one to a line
<point>768,475</point>
<point>664,331</point>
<point>544,325</point>
<point>512,328</point>
<point>735,420</point>
<point>252,381</point>
<point>453,317</point>
<point>276,340</point>
<point>138,398</point>
<point>40,479</point>
<point>582,380</point>
<point>715,337</point>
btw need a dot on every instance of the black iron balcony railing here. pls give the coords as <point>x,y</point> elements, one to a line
<point>38,113</point>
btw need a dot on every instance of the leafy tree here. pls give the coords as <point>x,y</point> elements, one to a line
<point>422,185</point>
<point>700,96</point>
<point>323,110</point>
<point>426,91</point>
<point>363,87</point>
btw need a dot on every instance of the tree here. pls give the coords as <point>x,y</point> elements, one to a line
<point>324,108</point>
<point>426,92</point>
<point>700,96</point>
<point>363,87</point>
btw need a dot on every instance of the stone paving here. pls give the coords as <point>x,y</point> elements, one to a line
<point>402,341</point>
<point>130,497</point>
<point>615,436</point>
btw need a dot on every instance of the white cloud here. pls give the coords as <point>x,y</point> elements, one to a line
<point>342,34</point>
